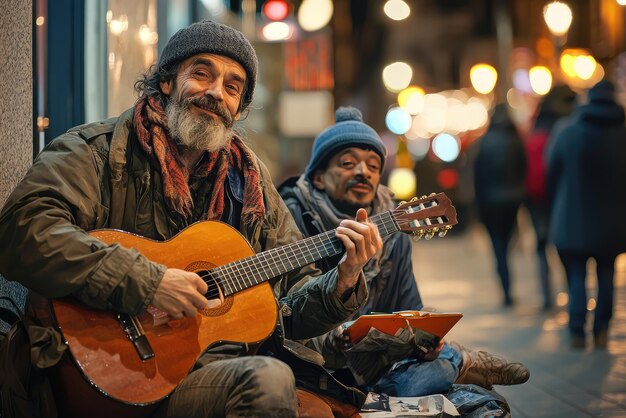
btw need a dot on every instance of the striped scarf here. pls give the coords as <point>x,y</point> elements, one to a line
<point>150,123</point>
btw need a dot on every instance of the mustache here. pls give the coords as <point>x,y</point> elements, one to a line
<point>207,102</point>
<point>359,181</point>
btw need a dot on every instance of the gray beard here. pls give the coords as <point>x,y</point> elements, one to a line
<point>196,132</point>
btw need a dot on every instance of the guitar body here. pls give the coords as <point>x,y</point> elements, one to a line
<point>108,360</point>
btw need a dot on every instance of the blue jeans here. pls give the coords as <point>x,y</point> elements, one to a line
<point>413,377</point>
<point>576,269</point>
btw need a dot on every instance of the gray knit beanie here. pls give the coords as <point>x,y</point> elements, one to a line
<point>348,131</point>
<point>211,37</point>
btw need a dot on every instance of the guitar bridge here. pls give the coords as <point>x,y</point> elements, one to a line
<point>134,331</point>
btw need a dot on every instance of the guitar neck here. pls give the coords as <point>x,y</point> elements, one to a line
<point>250,271</point>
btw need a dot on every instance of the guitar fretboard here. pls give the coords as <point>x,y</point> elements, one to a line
<point>250,271</point>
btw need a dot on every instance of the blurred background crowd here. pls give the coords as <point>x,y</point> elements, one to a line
<point>425,73</point>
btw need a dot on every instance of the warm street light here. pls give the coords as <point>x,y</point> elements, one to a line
<point>412,99</point>
<point>483,78</point>
<point>540,80</point>
<point>397,76</point>
<point>397,9</point>
<point>315,14</point>
<point>558,17</point>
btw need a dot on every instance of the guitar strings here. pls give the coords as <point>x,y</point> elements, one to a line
<point>230,280</point>
<point>249,266</point>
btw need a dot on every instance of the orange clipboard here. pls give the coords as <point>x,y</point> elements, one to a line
<point>435,323</point>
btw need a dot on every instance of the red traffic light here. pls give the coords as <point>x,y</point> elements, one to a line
<point>276,9</point>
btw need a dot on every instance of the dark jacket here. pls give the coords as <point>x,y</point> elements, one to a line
<point>587,177</point>
<point>391,283</point>
<point>97,176</point>
<point>500,165</point>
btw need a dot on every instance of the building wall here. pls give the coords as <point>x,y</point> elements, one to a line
<point>16,109</point>
<point>16,94</point>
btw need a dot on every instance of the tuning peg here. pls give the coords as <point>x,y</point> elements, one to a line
<point>402,202</point>
<point>418,235</point>
<point>429,235</point>
<point>414,199</point>
<point>445,230</point>
<point>432,194</point>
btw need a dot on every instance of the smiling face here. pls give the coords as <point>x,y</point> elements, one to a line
<point>205,101</point>
<point>350,179</point>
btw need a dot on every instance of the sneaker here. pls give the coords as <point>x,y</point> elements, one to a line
<point>485,369</point>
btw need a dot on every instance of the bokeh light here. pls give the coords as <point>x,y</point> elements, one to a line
<point>276,9</point>
<point>315,14</point>
<point>276,31</point>
<point>448,178</point>
<point>567,64</point>
<point>521,81</point>
<point>398,120</point>
<point>558,17</point>
<point>418,147</point>
<point>397,76</point>
<point>540,80</point>
<point>584,66</point>
<point>476,114</point>
<point>412,99</point>
<point>397,9</point>
<point>446,147</point>
<point>402,182</point>
<point>483,78</point>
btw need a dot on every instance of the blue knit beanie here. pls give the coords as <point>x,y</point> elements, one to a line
<point>211,37</point>
<point>348,131</point>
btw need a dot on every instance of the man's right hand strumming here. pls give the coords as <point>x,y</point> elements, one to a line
<point>181,293</point>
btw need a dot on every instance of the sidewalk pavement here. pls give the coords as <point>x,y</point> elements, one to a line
<point>457,274</point>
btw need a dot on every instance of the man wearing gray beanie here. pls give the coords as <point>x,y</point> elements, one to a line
<point>156,171</point>
<point>343,175</point>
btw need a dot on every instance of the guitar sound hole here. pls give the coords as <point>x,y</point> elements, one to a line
<point>214,295</point>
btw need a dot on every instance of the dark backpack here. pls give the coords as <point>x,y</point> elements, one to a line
<point>25,391</point>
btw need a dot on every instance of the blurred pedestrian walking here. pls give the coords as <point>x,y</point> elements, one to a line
<point>499,171</point>
<point>557,103</point>
<point>586,187</point>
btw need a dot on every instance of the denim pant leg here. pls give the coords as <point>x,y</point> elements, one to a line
<point>604,307</point>
<point>576,271</point>
<point>412,377</point>
<point>241,387</point>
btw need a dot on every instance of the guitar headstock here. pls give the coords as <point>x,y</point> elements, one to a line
<point>426,216</point>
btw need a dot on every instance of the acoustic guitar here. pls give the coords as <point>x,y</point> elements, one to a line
<point>129,363</point>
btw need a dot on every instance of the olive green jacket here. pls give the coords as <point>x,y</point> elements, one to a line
<point>97,176</point>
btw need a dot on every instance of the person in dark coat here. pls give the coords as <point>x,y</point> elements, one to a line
<point>586,184</point>
<point>499,171</point>
<point>557,103</point>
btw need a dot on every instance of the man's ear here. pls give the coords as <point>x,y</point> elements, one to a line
<point>166,87</point>
<point>317,180</point>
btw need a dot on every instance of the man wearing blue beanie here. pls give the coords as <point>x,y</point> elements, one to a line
<point>342,176</point>
<point>172,160</point>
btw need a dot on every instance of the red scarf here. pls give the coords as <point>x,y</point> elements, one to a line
<point>150,123</point>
